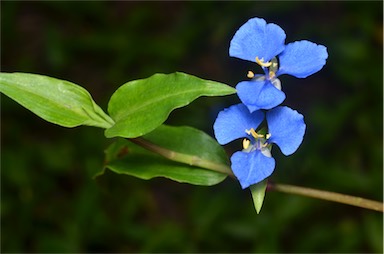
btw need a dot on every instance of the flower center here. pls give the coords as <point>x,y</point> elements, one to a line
<point>260,141</point>
<point>270,68</point>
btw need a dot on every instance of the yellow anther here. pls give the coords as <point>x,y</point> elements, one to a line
<point>250,74</point>
<point>246,143</point>
<point>254,133</point>
<point>249,131</point>
<point>261,62</point>
<point>272,74</point>
<point>268,135</point>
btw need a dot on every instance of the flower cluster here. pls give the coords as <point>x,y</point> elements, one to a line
<point>263,43</point>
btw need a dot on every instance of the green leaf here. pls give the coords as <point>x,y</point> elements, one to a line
<point>258,194</point>
<point>124,157</point>
<point>140,106</point>
<point>187,145</point>
<point>57,101</point>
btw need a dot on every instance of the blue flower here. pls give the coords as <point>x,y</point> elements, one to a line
<point>254,163</point>
<point>263,43</point>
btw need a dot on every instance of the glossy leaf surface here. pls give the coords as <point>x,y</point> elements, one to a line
<point>140,106</point>
<point>191,142</point>
<point>57,101</point>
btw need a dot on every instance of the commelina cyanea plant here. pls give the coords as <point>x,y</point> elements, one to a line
<point>146,148</point>
<point>263,43</point>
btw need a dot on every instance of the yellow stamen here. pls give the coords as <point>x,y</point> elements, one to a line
<point>268,135</point>
<point>261,62</point>
<point>271,74</point>
<point>250,74</point>
<point>254,133</point>
<point>246,143</point>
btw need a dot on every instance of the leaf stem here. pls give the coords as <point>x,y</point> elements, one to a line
<point>327,195</point>
<point>183,158</point>
<point>291,189</point>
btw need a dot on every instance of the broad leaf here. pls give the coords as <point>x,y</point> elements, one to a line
<point>57,101</point>
<point>258,194</point>
<point>124,157</point>
<point>140,106</point>
<point>194,147</point>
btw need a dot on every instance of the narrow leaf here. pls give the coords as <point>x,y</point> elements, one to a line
<point>124,157</point>
<point>140,106</point>
<point>258,194</point>
<point>57,101</point>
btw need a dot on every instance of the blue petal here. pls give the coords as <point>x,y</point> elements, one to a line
<point>232,122</point>
<point>302,58</point>
<point>256,38</point>
<point>251,168</point>
<point>287,128</point>
<point>259,94</point>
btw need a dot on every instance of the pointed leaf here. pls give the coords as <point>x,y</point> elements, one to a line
<point>140,106</point>
<point>258,194</point>
<point>57,101</point>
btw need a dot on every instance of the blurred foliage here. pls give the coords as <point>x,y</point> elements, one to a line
<point>49,201</point>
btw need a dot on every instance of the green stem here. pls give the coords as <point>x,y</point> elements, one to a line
<point>303,191</point>
<point>327,195</point>
<point>183,158</point>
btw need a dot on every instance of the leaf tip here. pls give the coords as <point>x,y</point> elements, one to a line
<point>258,194</point>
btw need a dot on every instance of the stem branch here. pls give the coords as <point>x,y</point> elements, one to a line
<point>327,195</point>
<point>225,169</point>
<point>183,158</point>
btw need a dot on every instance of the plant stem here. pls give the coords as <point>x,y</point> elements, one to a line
<point>183,158</point>
<point>222,168</point>
<point>327,195</point>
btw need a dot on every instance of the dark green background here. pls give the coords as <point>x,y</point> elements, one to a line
<point>49,201</point>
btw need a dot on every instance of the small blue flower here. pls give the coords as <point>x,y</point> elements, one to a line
<point>254,163</point>
<point>263,43</point>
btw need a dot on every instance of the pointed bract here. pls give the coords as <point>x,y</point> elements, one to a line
<point>256,38</point>
<point>286,127</point>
